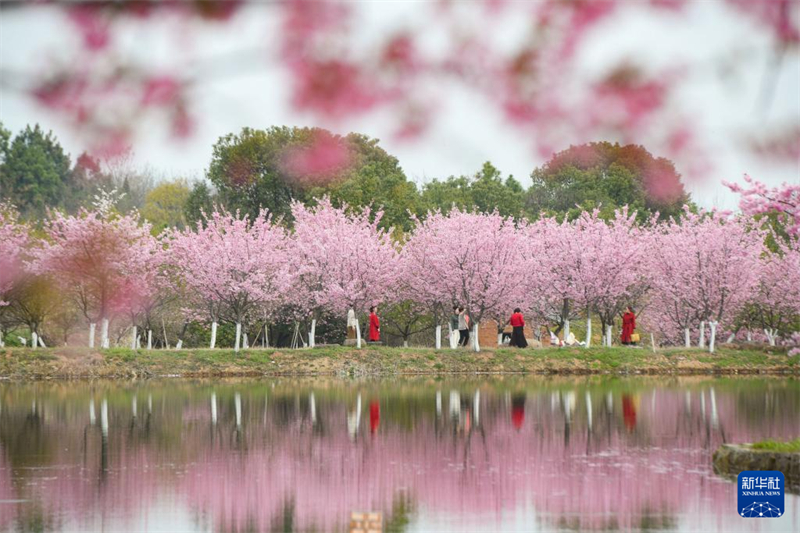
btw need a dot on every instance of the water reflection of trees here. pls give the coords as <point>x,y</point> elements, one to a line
<point>291,456</point>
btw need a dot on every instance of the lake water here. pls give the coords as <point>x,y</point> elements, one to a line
<point>473,454</point>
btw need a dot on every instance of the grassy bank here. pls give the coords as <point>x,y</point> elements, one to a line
<point>21,363</point>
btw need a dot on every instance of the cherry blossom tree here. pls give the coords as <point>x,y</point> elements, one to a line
<point>470,259</point>
<point>759,199</point>
<point>230,267</point>
<point>600,266</point>
<point>776,304</point>
<point>101,258</point>
<point>340,260</point>
<point>14,239</point>
<point>704,268</point>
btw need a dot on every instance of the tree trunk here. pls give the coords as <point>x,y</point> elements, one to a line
<point>312,335</point>
<point>609,332</point>
<point>499,339</point>
<point>92,327</point>
<point>213,335</point>
<point>731,337</point>
<point>771,334</point>
<point>713,337</point>
<point>588,332</point>
<point>2,344</point>
<point>104,343</point>
<point>34,340</point>
<point>749,336</point>
<point>266,335</point>
<point>653,342</point>
<point>702,342</point>
<point>149,339</point>
<point>687,338</point>
<point>134,338</point>
<point>41,342</point>
<point>476,346</point>
<point>439,337</point>
<point>238,336</point>
<point>566,328</point>
<point>405,343</point>
<point>358,335</point>
<point>179,345</point>
<point>245,343</point>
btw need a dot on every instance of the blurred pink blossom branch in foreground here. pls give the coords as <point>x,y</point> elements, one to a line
<point>338,71</point>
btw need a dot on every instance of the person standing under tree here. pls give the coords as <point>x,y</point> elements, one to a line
<point>463,327</point>
<point>518,334</point>
<point>374,325</point>
<point>454,337</point>
<point>628,326</point>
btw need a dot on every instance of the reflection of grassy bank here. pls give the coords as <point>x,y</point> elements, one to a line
<point>21,363</point>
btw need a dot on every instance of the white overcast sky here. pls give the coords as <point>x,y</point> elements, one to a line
<point>467,130</point>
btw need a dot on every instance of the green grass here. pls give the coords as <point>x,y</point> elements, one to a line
<point>382,360</point>
<point>792,446</point>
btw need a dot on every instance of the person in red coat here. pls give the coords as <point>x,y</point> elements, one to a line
<point>518,334</point>
<point>374,325</point>
<point>628,325</point>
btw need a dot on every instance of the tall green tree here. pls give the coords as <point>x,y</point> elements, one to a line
<point>485,191</point>
<point>608,176</point>
<point>35,171</point>
<point>269,168</point>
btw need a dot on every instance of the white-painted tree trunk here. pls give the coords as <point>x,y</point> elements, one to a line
<point>34,340</point>
<point>104,334</point>
<point>499,339</point>
<point>731,337</point>
<point>149,339</point>
<point>566,328</point>
<point>2,344</point>
<point>588,332</point>
<point>653,342</point>
<point>138,343</point>
<point>713,337</point>
<point>92,327</point>
<point>749,336</point>
<point>266,335</point>
<point>238,337</point>
<point>405,343</point>
<point>476,346</point>
<point>213,335</point>
<point>702,342</point>
<point>179,345</point>
<point>358,335</point>
<point>245,343</point>
<point>134,338</point>
<point>609,333</point>
<point>439,337</point>
<point>687,338</point>
<point>41,342</point>
<point>312,335</point>
<point>771,335</point>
